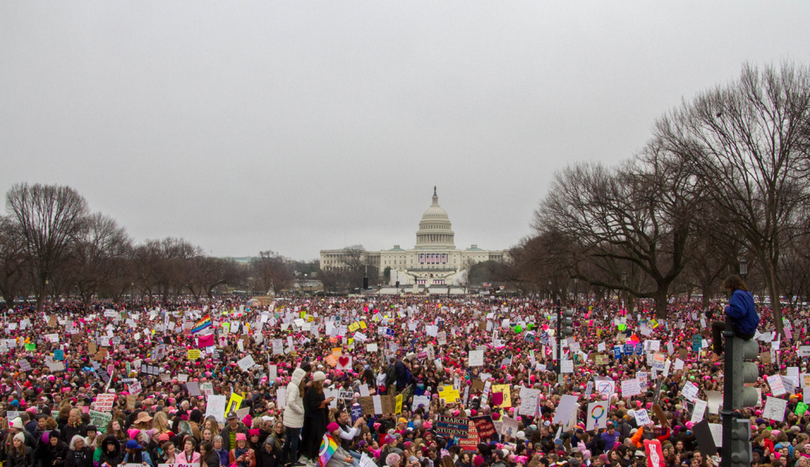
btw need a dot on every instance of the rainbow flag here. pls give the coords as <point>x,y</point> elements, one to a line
<point>202,324</point>
<point>328,448</point>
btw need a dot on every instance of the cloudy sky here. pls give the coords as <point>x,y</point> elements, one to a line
<point>299,126</point>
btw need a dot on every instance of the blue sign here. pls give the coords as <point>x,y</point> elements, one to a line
<point>629,348</point>
<point>389,332</point>
<point>617,353</point>
<point>697,343</point>
<point>639,348</point>
<point>357,412</point>
<point>59,354</point>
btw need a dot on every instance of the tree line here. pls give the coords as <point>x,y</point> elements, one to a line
<point>51,244</point>
<point>723,181</point>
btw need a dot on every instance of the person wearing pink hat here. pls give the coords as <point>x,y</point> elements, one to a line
<point>241,455</point>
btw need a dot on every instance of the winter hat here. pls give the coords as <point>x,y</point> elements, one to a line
<point>332,427</point>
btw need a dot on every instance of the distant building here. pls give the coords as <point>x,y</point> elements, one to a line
<point>434,260</point>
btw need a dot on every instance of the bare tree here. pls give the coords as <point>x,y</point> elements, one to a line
<point>273,270</point>
<point>93,259</point>
<point>748,142</point>
<point>13,260</point>
<point>633,222</point>
<point>50,217</point>
<point>205,273</point>
<point>146,259</point>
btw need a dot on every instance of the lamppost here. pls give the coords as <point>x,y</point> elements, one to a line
<point>743,267</point>
<point>576,292</point>
<point>624,287</point>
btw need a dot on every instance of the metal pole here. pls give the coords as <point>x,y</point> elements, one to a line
<point>559,343</point>
<point>728,389</point>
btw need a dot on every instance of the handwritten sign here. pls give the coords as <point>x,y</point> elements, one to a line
<point>246,363</point>
<point>104,402</point>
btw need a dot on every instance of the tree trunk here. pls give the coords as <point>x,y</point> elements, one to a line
<point>661,301</point>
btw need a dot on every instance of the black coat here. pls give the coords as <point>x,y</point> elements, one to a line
<point>80,457</point>
<point>266,459</point>
<point>315,421</point>
<point>20,460</point>
<point>52,456</point>
<point>113,457</point>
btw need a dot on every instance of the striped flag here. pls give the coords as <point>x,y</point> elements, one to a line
<point>202,324</point>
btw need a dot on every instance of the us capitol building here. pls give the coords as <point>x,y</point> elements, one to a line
<point>434,260</point>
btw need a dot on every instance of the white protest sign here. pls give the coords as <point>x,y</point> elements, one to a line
<point>597,415</point>
<point>689,391</point>
<point>216,408</point>
<point>631,387</point>
<point>476,358</point>
<point>528,402</point>
<point>642,417</point>
<point>565,408</point>
<point>775,409</point>
<point>775,382</point>
<point>699,410</point>
<point>104,402</point>
<point>246,363</point>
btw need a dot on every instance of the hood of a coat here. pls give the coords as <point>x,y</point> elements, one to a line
<point>298,376</point>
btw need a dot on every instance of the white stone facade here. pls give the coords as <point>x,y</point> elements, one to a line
<point>434,260</point>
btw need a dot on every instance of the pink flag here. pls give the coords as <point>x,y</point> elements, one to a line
<point>205,341</point>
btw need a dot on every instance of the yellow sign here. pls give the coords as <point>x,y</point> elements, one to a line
<point>399,404</point>
<point>449,394</point>
<point>233,403</point>
<point>354,327</point>
<point>193,354</point>
<point>507,394</point>
<point>363,325</point>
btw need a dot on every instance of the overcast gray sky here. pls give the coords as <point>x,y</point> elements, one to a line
<point>299,126</point>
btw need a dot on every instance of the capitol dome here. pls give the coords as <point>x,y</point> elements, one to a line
<point>435,228</point>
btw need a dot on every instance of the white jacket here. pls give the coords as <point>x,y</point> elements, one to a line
<point>294,405</point>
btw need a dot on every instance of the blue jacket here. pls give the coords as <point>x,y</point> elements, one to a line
<point>742,312</point>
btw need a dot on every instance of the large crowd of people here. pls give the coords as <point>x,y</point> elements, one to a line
<point>415,381</point>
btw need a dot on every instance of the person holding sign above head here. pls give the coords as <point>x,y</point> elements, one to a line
<point>741,310</point>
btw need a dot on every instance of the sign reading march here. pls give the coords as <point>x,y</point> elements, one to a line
<point>452,426</point>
